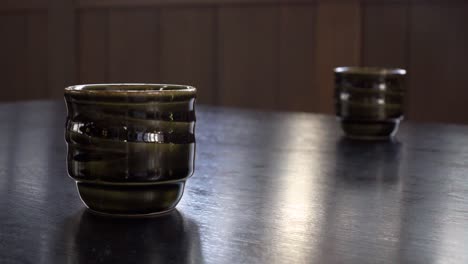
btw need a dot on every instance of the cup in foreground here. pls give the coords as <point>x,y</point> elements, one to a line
<point>131,147</point>
<point>369,101</point>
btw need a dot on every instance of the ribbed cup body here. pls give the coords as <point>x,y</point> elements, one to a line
<point>369,101</point>
<point>131,147</point>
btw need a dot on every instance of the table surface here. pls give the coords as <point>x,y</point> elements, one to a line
<point>268,188</point>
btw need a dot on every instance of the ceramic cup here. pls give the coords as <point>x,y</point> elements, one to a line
<point>131,147</point>
<point>369,101</point>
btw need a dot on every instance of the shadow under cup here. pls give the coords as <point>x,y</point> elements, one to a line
<point>131,147</point>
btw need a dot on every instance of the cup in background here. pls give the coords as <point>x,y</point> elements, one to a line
<point>369,101</point>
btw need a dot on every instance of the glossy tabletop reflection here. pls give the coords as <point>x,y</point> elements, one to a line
<point>268,188</point>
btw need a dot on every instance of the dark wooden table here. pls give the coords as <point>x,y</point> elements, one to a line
<point>268,188</point>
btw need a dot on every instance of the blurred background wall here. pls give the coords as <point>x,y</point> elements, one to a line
<point>263,54</point>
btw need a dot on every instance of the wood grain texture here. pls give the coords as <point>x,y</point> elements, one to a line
<point>248,56</point>
<point>277,56</point>
<point>198,3</point>
<point>268,188</point>
<point>37,54</point>
<point>179,3</point>
<point>338,44</point>
<point>297,86</point>
<point>62,71</point>
<point>134,45</point>
<point>13,59</point>
<point>188,50</point>
<point>385,35</point>
<point>93,30</point>
<point>439,62</point>
<point>21,5</point>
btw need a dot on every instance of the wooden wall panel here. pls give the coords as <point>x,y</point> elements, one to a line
<point>12,56</point>
<point>297,86</point>
<point>37,54</point>
<point>180,3</point>
<point>61,56</point>
<point>248,56</point>
<point>338,44</point>
<point>188,50</point>
<point>264,54</point>
<point>439,62</point>
<point>9,5</point>
<point>385,35</point>
<point>93,33</point>
<point>134,45</point>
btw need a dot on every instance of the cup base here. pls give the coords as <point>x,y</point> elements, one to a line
<point>156,214</point>
<point>130,200</point>
<point>370,130</point>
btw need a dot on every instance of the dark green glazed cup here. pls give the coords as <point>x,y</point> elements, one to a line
<point>369,101</point>
<point>131,147</point>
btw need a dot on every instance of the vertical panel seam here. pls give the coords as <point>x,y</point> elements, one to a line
<point>77,45</point>
<point>359,34</point>
<point>317,47</point>
<point>107,15</point>
<point>218,58</point>
<point>78,18</point>
<point>315,83</point>
<point>46,57</point>
<point>408,56</point>
<point>159,42</point>
<point>214,59</point>
<point>363,22</point>
<point>26,31</point>
<point>279,74</point>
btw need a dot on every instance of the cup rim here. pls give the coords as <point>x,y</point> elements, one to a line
<point>130,89</point>
<point>370,70</point>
